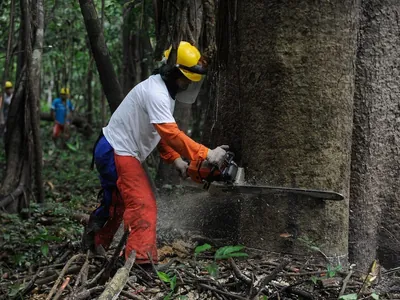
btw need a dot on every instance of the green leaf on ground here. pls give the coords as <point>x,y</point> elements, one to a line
<point>375,296</point>
<point>163,276</point>
<point>212,269</point>
<point>202,248</point>
<point>44,248</point>
<point>229,251</point>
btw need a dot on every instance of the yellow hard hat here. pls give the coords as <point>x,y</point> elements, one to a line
<point>187,61</point>
<point>8,84</point>
<point>64,91</point>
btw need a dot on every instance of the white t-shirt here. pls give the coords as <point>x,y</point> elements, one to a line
<point>7,99</point>
<point>130,131</point>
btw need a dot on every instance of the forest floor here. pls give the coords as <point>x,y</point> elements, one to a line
<point>41,258</point>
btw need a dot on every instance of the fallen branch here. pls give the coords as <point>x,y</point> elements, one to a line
<point>28,287</point>
<point>62,288</point>
<point>345,281</point>
<point>130,296</point>
<point>110,265</point>
<point>286,288</point>
<point>230,295</point>
<point>114,288</point>
<point>82,276</point>
<point>63,272</point>
<point>77,120</point>
<point>89,293</point>
<point>298,292</point>
<point>53,277</point>
<point>267,279</point>
<point>237,272</point>
<point>93,282</point>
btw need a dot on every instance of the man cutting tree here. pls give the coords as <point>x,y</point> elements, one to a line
<point>143,121</point>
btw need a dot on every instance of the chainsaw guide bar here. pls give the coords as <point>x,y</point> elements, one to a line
<point>268,190</point>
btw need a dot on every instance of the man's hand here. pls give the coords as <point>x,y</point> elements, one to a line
<point>217,156</point>
<point>181,166</point>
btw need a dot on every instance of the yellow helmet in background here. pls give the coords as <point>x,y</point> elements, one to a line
<point>64,91</point>
<point>8,85</point>
<point>187,61</point>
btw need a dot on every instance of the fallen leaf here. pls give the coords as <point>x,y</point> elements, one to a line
<point>286,235</point>
<point>50,185</point>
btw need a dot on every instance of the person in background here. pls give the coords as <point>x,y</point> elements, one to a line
<point>5,102</point>
<point>62,111</point>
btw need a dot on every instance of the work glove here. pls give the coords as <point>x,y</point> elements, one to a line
<point>217,156</point>
<point>181,166</point>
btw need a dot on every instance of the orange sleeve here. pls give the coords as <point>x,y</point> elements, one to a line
<point>180,142</point>
<point>166,152</point>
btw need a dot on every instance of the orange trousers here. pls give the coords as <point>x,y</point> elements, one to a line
<point>135,204</point>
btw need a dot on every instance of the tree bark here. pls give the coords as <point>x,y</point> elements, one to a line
<point>186,20</point>
<point>7,62</point>
<point>89,97</point>
<point>375,188</point>
<point>22,127</point>
<point>285,90</point>
<point>108,77</point>
<point>34,65</point>
<point>78,121</point>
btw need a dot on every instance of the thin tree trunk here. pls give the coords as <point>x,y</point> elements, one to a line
<point>103,109</point>
<point>102,97</point>
<point>7,62</point>
<point>108,77</point>
<point>9,43</point>
<point>89,96</point>
<point>34,65</point>
<point>128,67</point>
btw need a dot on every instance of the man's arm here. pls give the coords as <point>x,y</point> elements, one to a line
<point>180,142</point>
<point>167,154</point>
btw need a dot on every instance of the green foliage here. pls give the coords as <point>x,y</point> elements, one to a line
<point>375,296</point>
<point>168,279</point>
<point>201,249</point>
<point>70,186</point>
<point>222,253</point>
<point>229,251</point>
<point>212,269</point>
<point>309,243</point>
<point>331,271</point>
<point>28,240</point>
<point>314,279</point>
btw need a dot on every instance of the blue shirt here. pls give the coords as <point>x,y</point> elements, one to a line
<point>61,109</point>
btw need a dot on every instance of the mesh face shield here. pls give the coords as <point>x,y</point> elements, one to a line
<point>189,96</point>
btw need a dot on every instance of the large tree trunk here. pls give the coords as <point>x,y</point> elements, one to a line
<point>285,90</point>
<point>375,187</point>
<point>108,77</point>
<point>23,151</point>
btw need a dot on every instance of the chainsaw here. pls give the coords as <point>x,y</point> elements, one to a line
<point>230,178</point>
